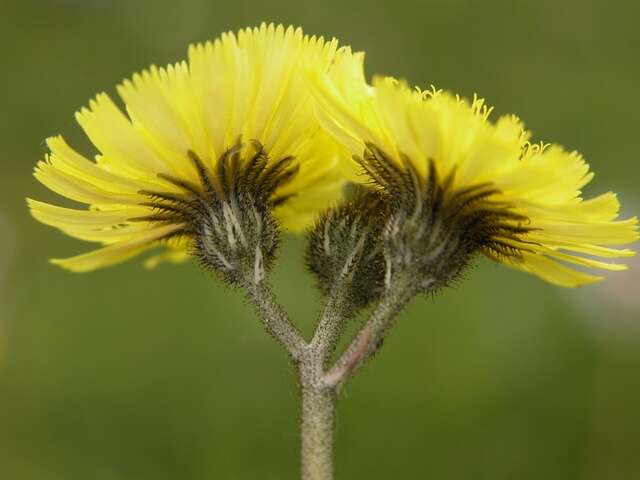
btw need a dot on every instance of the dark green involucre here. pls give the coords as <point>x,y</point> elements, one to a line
<point>228,217</point>
<point>344,250</point>
<point>432,231</point>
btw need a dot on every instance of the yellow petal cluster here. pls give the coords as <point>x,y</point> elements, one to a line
<point>250,86</point>
<point>304,97</point>
<point>539,181</point>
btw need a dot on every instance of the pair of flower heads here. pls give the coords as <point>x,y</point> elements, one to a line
<point>269,129</point>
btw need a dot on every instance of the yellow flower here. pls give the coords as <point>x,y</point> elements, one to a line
<point>244,91</point>
<point>532,191</point>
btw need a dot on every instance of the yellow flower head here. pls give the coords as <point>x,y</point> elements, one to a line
<point>517,202</point>
<point>238,111</point>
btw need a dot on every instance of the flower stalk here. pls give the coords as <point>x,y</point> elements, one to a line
<point>317,420</point>
<point>319,382</point>
<point>274,319</point>
<point>369,339</point>
<point>317,409</point>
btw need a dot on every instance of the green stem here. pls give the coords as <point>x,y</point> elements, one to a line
<point>331,325</point>
<point>317,414</point>
<point>318,387</point>
<point>370,337</point>
<point>274,319</point>
<point>317,422</point>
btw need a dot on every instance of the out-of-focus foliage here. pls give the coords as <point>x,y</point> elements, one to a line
<point>128,374</point>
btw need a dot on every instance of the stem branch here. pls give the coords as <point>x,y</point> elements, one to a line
<point>370,337</point>
<point>274,319</point>
<point>317,386</point>
<point>331,324</point>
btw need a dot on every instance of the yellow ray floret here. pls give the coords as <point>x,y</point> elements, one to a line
<point>540,182</point>
<point>250,86</point>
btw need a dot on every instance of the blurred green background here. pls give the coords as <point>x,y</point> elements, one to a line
<point>127,374</point>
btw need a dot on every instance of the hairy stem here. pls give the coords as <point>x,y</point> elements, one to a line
<point>318,387</point>
<point>274,319</point>
<point>332,322</point>
<point>317,421</point>
<point>317,412</point>
<point>317,401</point>
<point>370,337</point>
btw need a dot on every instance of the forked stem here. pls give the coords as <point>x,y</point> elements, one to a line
<point>319,387</point>
<point>369,338</point>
